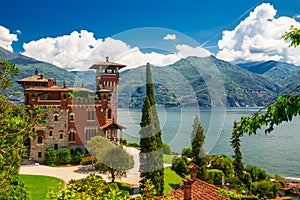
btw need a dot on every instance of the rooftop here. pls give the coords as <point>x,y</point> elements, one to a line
<point>107,64</point>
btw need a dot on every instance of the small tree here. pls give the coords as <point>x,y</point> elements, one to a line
<point>113,159</point>
<point>180,165</point>
<point>64,155</point>
<point>167,149</point>
<point>187,151</point>
<point>199,155</point>
<point>50,157</point>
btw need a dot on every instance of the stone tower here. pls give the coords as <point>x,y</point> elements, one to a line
<point>107,82</point>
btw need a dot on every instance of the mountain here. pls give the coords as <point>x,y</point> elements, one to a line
<point>28,65</point>
<point>199,81</point>
<point>277,71</point>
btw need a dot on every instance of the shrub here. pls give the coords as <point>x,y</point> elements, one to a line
<point>133,144</point>
<point>256,173</point>
<point>88,160</point>
<point>50,157</point>
<point>187,151</point>
<point>166,148</point>
<point>180,165</point>
<point>215,176</point>
<point>124,141</point>
<point>78,155</point>
<point>64,155</point>
<point>264,189</point>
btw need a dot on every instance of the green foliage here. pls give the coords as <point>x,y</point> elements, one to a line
<point>16,125</point>
<point>113,159</point>
<point>180,165</point>
<point>124,141</point>
<point>151,155</point>
<point>187,151</point>
<point>50,157</point>
<point>293,35</point>
<point>232,194</point>
<point>264,189</point>
<point>215,176</point>
<point>88,160</point>
<point>167,149</point>
<point>256,173</point>
<point>64,156</point>
<point>91,187</point>
<point>134,144</point>
<point>148,191</point>
<point>7,73</point>
<point>78,155</point>
<point>222,162</point>
<point>199,156</point>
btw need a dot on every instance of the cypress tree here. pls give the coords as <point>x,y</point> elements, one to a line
<point>199,155</point>
<point>151,156</point>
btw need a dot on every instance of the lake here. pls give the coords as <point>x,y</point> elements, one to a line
<point>277,152</point>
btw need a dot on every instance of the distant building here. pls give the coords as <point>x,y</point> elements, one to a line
<point>71,121</point>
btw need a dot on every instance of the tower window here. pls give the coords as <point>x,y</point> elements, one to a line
<point>72,116</point>
<point>65,97</point>
<point>109,114</point>
<point>40,140</point>
<point>61,136</point>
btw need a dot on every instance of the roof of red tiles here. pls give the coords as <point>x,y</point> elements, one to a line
<point>200,190</point>
<point>52,88</point>
<point>35,78</point>
<point>111,123</point>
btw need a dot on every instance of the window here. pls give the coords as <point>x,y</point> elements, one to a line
<point>56,146</point>
<point>55,117</point>
<point>72,117</point>
<point>90,133</point>
<point>72,136</point>
<point>72,152</point>
<point>39,154</point>
<point>104,97</point>
<point>61,136</point>
<point>109,114</point>
<point>91,115</point>
<point>50,133</point>
<point>40,140</point>
<point>65,97</point>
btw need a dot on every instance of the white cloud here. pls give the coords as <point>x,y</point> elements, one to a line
<point>186,50</point>
<point>6,38</point>
<point>170,37</point>
<point>258,38</point>
<point>297,16</point>
<point>79,50</point>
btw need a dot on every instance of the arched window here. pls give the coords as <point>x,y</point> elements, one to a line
<point>61,136</point>
<point>40,140</point>
<point>72,116</point>
<point>72,136</point>
<point>55,117</point>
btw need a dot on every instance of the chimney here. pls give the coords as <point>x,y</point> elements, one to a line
<point>36,71</point>
<point>187,188</point>
<point>107,59</point>
<point>193,171</point>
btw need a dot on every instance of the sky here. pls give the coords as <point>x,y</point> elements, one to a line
<point>75,34</point>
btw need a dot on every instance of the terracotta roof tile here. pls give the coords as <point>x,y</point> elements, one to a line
<point>35,78</point>
<point>52,88</point>
<point>200,190</point>
<point>106,64</point>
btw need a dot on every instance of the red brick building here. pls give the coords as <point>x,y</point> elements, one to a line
<point>72,120</point>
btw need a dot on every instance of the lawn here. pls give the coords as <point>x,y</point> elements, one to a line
<point>172,180</point>
<point>38,185</point>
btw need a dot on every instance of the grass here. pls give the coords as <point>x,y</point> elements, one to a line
<point>168,158</point>
<point>172,180</point>
<point>38,185</point>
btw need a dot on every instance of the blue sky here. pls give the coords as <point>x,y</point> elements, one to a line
<point>191,24</point>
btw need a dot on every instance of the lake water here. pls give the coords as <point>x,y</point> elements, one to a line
<point>276,152</point>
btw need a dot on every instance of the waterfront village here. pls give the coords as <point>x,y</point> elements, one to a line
<point>71,122</point>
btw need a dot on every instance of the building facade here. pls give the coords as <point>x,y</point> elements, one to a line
<point>72,119</point>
